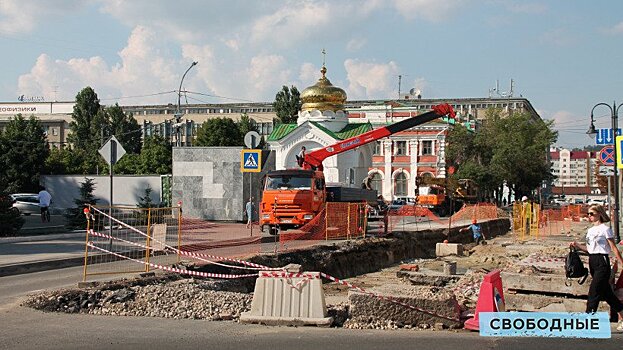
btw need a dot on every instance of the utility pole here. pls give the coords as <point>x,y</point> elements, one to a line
<point>178,114</point>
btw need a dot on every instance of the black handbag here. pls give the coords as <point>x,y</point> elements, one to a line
<point>574,267</point>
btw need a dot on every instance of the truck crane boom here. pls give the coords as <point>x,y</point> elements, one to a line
<point>293,197</point>
<point>314,159</point>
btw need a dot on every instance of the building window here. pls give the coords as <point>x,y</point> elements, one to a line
<point>376,182</point>
<point>401,148</point>
<point>378,148</point>
<point>400,184</point>
<point>427,148</point>
<point>351,176</point>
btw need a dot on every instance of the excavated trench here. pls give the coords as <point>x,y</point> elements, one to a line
<point>173,296</point>
<point>353,258</point>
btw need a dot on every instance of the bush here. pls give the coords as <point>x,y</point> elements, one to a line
<point>10,220</point>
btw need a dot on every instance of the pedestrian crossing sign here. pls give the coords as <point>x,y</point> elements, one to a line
<point>251,160</point>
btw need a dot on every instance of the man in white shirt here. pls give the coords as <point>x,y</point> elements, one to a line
<point>44,198</point>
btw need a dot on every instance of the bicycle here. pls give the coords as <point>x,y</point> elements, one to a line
<point>45,214</point>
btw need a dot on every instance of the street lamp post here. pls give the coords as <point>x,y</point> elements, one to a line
<point>614,113</point>
<point>178,114</point>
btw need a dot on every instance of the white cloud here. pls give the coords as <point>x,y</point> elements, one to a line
<point>142,70</point>
<point>557,37</point>
<point>563,119</point>
<point>369,79</point>
<point>20,16</point>
<point>528,8</point>
<point>614,30</point>
<point>431,10</point>
<point>323,21</point>
<point>309,74</point>
<point>356,44</point>
<point>265,74</point>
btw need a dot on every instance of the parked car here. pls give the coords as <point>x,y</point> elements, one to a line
<point>26,203</point>
<point>396,204</point>
<point>594,201</point>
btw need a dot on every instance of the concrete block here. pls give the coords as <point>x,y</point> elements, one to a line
<point>445,249</point>
<point>158,236</point>
<point>427,278</point>
<point>544,284</point>
<point>441,303</point>
<point>277,302</point>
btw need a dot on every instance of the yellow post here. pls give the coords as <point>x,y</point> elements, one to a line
<point>86,246</point>
<point>148,239</point>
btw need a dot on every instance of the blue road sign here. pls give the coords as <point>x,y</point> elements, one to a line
<point>250,160</point>
<point>605,136</point>
<point>607,156</point>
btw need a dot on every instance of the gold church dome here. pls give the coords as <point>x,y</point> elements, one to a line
<point>323,96</point>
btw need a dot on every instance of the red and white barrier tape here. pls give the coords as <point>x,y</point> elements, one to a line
<point>173,269</point>
<point>195,255</point>
<point>281,274</point>
<point>289,275</point>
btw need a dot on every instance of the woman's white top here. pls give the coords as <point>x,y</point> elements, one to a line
<point>597,239</point>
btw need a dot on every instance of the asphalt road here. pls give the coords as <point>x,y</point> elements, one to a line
<point>24,328</point>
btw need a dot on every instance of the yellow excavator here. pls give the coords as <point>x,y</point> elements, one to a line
<point>433,193</point>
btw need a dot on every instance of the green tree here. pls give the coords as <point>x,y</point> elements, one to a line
<point>218,132</point>
<point>509,148</point>
<point>88,128</point>
<point>155,157</point>
<point>24,150</point>
<point>65,160</point>
<point>125,128</point>
<point>246,124</point>
<point>145,201</point>
<point>75,217</point>
<point>10,220</point>
<point>128,165</point>
<point>287,104</point>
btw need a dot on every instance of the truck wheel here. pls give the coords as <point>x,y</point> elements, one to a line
<point>273,230</point>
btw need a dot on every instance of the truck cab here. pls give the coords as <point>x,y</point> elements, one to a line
<point>291,198</point>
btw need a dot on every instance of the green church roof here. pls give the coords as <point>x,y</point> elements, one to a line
<point>282,130</point>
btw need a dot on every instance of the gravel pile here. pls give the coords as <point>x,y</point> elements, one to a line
<point>185,298</point>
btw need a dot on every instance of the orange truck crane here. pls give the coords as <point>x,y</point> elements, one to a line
<point>434,193</point>
<point>293,197</point>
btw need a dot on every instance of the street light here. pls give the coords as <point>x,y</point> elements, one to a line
<point>614,113</point>
<point>178,114</point>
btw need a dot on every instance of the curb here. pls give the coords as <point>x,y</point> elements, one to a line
<point>42,237</point>
<point>38,266</point>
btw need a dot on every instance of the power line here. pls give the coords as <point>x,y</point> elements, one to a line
<point>138,96</point>
<point>223,97</point>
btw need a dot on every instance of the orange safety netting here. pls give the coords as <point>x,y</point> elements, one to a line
<point>415,211</point>
<point>478,211</point>
<point>337,221</point>
<point>218,238</point>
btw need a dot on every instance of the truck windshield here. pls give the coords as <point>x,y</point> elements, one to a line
<point>288,182</point>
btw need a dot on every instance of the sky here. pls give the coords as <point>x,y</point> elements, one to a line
<point>563,56</point>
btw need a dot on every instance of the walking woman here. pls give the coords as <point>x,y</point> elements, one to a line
<point>599,244</point>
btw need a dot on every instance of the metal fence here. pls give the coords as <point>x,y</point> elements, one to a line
<point>126,239</point>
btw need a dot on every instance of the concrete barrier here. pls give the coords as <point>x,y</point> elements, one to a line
<point>445,249</point>
<point>291,301</point>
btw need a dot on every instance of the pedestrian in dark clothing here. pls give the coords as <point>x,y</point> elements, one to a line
<point>599,244</point>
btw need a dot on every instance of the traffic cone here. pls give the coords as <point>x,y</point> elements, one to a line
<point>490,298</point>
